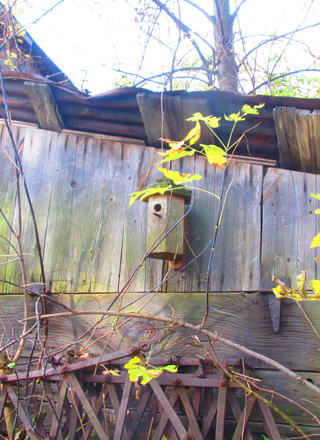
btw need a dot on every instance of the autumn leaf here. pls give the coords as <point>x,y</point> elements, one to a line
<point>212,121</point>
<point>174,155</point>
<point>215,155</point>
<point>132,363</point>
<point>177,178</point>
<point>301,283</point>
<point>315,241</point>
<point>175,145</point>
<point>315,286</point>
<point>316,196</point>
<point>171,368</point>
<point>136,369</point>
<point>147,192</point>
<point>194,134</point>
<point>248,110</point>
<point>196,117</point>
<point>282,291</point>
<point>234,117</point>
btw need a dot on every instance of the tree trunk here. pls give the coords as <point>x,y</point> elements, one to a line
<point>226,66</point>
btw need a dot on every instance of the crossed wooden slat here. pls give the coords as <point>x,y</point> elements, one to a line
<point>77,410</point>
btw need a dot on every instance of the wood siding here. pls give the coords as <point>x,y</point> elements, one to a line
<point>92,241</point>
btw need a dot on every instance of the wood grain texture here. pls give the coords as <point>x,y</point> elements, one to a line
<point>288,225</point>
<point>92,241</point>
<point>44,106</point>
<point>245,319</point>
<point>171,123</point>
<point>242,318</point>
<point>298,133</point>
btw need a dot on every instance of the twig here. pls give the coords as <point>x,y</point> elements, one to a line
<point>246,388</point>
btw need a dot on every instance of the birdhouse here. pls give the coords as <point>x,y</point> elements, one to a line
<point>164,211</point>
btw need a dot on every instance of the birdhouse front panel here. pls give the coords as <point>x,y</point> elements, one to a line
<point>164,211</point>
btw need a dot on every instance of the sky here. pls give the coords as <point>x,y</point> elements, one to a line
<point>90,39</point>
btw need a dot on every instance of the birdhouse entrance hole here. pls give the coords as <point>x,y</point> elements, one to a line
<point>164,213</point>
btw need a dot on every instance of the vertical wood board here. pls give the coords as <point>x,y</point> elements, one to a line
<point>288,224</point>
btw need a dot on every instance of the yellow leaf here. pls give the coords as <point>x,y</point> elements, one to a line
<point>216,156</point>
<point>315,241</point>
<point>315,286</point>
<point>173,151</point>
<point>177,178</point>
<point>301,283</point>
<point>213,122</point>
<point>194,134</point>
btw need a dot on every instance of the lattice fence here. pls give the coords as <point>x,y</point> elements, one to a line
<point>84,400</point>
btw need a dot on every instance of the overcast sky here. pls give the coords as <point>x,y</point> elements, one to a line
<point>88,39</point>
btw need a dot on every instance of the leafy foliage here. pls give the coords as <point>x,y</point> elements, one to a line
<point>137,368</point>
<point>217,156</point>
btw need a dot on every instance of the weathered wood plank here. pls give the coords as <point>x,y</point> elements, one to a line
<point>273,380</point>
<point>168,120</point>
<point>284,118</point>
<point>298,137</point>
<point>242,318</point>
<point>92,241</point>
<point>200,223</point>
<point>80,191</point>
<point>235,316</point>
<point>288,224</point>
<point>307,140</point>
<point>236,264</point>
<point>44,106</point>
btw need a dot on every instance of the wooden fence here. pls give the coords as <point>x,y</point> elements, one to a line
<point>92,241</point>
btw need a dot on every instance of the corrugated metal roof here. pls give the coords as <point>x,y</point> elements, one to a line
<point>143,115</point>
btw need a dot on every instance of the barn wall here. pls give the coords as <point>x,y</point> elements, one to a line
<point>92,241</point>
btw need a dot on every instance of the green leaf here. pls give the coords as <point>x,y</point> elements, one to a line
<point>196,117</point>
<point>147,192</point>
<point>213,122</point>
<point>133,363</point>
<point>171,368</point>
<point>234,117</point>
<point>174,156</point>
<point>134,374</point>
<point>11,365</point>
<point>248,110</point>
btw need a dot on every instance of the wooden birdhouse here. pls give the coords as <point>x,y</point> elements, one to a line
<point>164,211</point>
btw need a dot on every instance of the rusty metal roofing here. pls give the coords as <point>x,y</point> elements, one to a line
<point>142,115</point>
